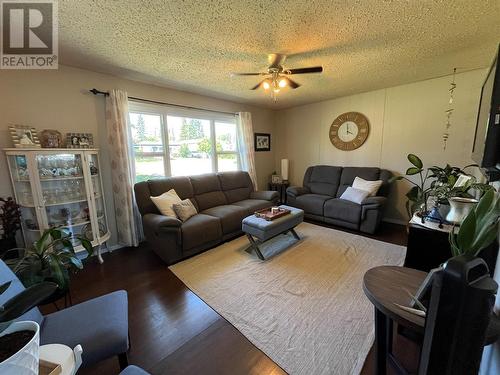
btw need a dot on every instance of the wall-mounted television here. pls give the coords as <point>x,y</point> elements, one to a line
<point>486,149</point>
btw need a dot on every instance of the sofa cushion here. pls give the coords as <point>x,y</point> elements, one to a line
<point>350,173</point>
<point>371,187</point>
<point>15,288</point>
<point>229,215</point>
<point>100,325</point>
<point>343,210</point>
<point>323,179</point>
<point>252,205</point>
<point>236,186</point>
<point>165,202</point>
<point>207,191</point>
<point>185,209</point>
<point>354,195</point>
<point>312,203</point>
<point>200,229</point>
<point>181,185</point>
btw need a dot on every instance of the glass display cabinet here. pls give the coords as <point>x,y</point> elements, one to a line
<point>59,188</point>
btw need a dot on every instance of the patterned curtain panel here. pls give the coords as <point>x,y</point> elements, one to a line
<point>246,146</point>
<point>121,174</point>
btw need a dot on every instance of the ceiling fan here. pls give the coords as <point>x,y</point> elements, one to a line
<point>277,76</point>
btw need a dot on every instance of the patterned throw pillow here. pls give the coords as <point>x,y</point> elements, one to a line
<point>370,186</point>
<point>354,195</point>
<point>185,209</point>
<point>165,202</point>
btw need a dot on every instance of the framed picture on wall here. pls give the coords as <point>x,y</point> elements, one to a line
<point>262,141</point>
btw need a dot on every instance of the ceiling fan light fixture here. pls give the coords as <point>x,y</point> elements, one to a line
<point>266,85</point>
<point>282,83</point>
<point>276,89</point>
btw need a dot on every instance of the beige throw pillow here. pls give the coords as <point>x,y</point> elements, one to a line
<point>369,186</point>
<point>165,202</point>
<point>185,209</point>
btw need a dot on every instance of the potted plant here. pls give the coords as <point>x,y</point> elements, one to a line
<point>10,221</point>
<point>418,194</point>
<point>441,184</point>
<point>52,258</point>
<point>19,341</point>
<point>479,228</point>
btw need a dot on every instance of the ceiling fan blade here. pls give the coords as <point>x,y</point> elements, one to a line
<point>275,60</point>
<point>248,74</point>
<point>257,85</point>
<point>291,83</point>
<point>313,69</point>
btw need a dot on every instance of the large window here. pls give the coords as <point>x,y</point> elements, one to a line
<point>172,142</point>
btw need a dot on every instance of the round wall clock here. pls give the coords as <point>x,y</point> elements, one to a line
<point>349,131</point>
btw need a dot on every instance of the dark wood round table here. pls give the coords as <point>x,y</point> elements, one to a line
<point>386,285</point>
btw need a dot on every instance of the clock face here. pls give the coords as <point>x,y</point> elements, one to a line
<point>349,131</point>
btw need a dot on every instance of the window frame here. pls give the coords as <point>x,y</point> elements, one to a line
<point>164,111</point>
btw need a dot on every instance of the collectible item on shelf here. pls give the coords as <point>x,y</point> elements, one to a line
<point>79,140</point>
<point>24,136</point>
<point>51,139</point>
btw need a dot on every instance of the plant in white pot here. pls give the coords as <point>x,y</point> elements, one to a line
<point>19,341</point>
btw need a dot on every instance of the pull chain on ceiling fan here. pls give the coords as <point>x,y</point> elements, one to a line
<point>277,76</point>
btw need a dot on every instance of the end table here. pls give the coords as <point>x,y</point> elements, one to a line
<point>281,189</point>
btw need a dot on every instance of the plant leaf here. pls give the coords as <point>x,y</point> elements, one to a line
<point>415,160</point>
<point>26,300</point>
<point>466,233</point>
<point>4,286</point>
<point>412,171</point>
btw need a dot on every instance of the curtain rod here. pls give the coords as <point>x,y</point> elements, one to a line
<point>105,93</point>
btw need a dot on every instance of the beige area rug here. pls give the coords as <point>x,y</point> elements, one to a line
<point>304,307</point>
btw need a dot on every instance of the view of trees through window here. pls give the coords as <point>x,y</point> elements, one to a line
<point>190,147</point>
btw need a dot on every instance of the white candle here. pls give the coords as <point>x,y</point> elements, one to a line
<point>284,169</point>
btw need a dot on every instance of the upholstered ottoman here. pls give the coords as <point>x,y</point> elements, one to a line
<point>259,230</point>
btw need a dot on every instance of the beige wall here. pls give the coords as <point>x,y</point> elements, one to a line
<point>60,100</point>
<point>403,119</point>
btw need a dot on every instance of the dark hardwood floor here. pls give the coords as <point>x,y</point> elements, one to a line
<point>173,331</point>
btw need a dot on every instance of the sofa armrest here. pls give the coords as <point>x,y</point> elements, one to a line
<point>374,202</point>
<point>295,191</point>
<point>267,195</point>
<point>157,222</point>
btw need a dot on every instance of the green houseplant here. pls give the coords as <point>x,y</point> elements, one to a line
<point>52,258</point>
<point>479,228</point>
<point>10,221</point>
<point>438,182</point>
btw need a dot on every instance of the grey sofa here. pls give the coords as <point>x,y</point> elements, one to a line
<point>100,325</point>
<point>322,187</point>
<point>222,201</point>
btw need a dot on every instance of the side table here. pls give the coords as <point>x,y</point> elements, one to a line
<point>281,189</point>
<point>384,286</point>
<point>68,360</point>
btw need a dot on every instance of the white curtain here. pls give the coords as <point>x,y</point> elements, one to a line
<point>127,226</point>
<point>246,145</point>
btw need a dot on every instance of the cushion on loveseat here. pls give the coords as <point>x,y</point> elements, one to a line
<point>350,173</point>
<point>322,179</point>
<point>312,203</point>
<point>342,209</point>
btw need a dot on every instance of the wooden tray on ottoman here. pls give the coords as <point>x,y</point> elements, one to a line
<point>266,213</point>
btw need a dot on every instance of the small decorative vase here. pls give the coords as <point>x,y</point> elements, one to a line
<point>459,209</point>
<point>25,361</point>
<point>444,209</point>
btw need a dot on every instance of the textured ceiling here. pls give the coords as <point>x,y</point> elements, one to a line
<point>193,45</point>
